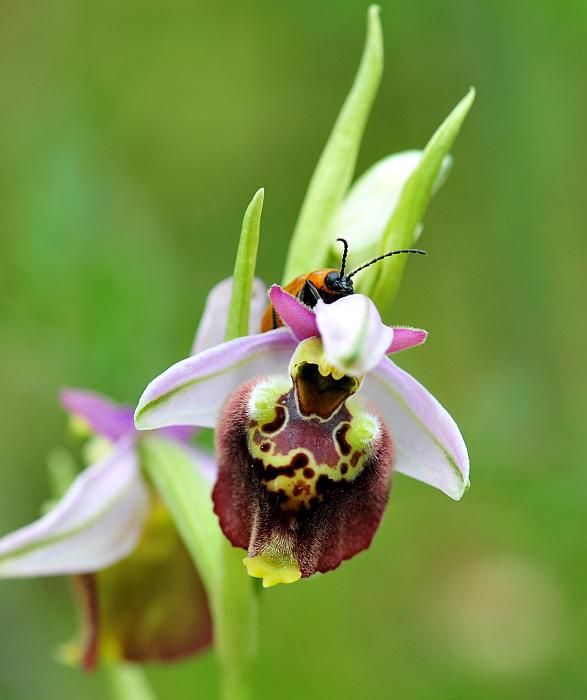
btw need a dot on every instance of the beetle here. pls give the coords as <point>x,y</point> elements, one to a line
<point>327,285</point>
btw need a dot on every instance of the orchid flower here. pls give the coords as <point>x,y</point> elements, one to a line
<point>142,596</point>
<point>311,420</point>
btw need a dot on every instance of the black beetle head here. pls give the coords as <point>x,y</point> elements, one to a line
<point>339,284</point>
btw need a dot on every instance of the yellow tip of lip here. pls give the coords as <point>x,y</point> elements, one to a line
<point>272,570</point>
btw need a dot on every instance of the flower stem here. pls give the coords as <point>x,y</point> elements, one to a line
<point>230,590</point>
<point>235,605</point>
<point>236,614</point>
<point>128,682</point>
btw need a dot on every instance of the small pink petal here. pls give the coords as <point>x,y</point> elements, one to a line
<point>106,418</point>
<point>293,313</point>
<point>404,338</point>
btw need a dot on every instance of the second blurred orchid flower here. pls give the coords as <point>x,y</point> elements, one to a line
<point>142,597</point>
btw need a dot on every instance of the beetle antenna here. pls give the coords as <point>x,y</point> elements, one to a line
<point>346,250</point>
<point>386,255</point>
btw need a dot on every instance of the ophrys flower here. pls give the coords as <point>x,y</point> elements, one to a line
<point>311,418</point>
<point>142,597</point>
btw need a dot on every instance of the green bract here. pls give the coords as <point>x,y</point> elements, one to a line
<point>244,270</point>
<point>363,216</point>
<point>384,209</point>
<point>313,233</point>
<point>414,199</point>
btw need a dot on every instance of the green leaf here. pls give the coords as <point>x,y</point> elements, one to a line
<point>244,270</point>
<point>187,494</point>
<point>314,230</point>
<point>409,212</point>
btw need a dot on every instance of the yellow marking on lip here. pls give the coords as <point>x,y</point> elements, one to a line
<point>272,569</point>
<point>263,397</point>
<point>311,351</point>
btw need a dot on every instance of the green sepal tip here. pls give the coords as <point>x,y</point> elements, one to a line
<point>244,269</point>
<point>414,198</point>
<point>312,236</point>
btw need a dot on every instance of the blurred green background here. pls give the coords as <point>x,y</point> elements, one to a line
<point>132,137</point>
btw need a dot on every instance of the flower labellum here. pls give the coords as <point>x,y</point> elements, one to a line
<point>311,419</point>
<point>303,473</point>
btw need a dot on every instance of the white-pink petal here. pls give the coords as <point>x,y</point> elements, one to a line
<point>428,443</point>
<point>98,522</point>
<point>212,326</point>
<point>354,337</point>
<point>193,391</point>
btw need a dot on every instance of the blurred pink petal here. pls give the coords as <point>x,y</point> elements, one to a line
<point>104,417</point>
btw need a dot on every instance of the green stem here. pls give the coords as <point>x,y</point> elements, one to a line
<point>128,682</point>
<point>230,590</point>
<point>235,603</point>
<point>187,496</point>
<point>236,622</point>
